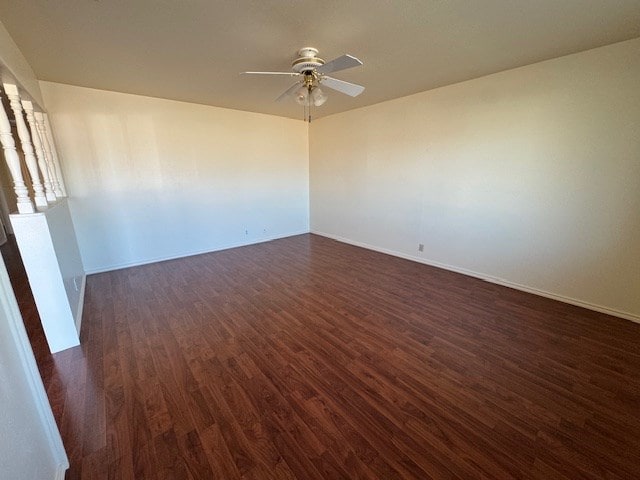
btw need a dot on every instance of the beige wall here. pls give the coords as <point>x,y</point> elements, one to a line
<point>151,179</point>
<point>528,177</point>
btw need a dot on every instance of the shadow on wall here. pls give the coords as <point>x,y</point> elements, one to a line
<point>154,179</point>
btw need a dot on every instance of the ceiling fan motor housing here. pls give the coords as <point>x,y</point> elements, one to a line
<point>307,60</point>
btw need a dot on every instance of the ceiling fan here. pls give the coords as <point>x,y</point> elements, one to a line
<point>312,72</point>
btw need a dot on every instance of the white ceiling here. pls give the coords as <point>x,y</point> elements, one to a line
<point>193,50</point>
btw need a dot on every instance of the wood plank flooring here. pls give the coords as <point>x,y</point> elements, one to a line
<point>305,358</point>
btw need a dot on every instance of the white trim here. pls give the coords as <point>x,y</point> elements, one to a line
<point>60,472</point>
<point>9,307</point>
<point>486,278</point>
<point>120,266</point>
<point>83,284</point>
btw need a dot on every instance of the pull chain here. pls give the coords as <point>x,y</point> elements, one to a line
<point>309,101</point>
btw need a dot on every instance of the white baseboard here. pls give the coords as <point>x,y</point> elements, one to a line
<point>147,261</point>
<point>486,278</point>
<point>83,284</point>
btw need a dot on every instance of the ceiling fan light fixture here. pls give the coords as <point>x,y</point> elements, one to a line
<point>302,95</point>
<point>318,96</point>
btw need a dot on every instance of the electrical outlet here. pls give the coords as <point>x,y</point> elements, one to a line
<point>421,247</point>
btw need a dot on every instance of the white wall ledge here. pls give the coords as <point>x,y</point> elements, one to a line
<point>49,251</point>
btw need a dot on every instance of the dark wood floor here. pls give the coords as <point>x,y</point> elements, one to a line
<point>310,359</point>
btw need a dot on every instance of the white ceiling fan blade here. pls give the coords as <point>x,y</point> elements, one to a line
<point>289,91</point>
<point>341,86</point>
<point>340,63</point>
<point>288,74</point>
